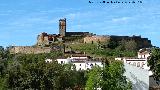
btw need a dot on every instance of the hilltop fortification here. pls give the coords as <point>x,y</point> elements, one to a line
<point>141,42</point>
<point>46,42</point>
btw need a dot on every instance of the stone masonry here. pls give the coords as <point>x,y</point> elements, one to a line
<point>96,39</point>
<point>29,50</point>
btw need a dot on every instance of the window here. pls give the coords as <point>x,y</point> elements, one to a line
<point>91,65</point>
<point>79,64</point>
<point>61,62</point>
<point>134,63</point>
<point>138,64</point>
<point>142,64</point>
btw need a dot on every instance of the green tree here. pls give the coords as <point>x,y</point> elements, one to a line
<point>30,71</point>
<point>94,79</point>
<point>109,78</point>
<point>121,46</point>
<point>113,78</point>
<point>112,44</point>
<point>130,45</point>
<point>154,62</point>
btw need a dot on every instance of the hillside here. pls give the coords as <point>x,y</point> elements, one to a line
<point>98,50</point>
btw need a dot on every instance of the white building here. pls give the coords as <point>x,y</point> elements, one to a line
<point>80,62</point>
<point>139,61</point>
<point>79,57</point>
<point>85,65</point>
<point>136,69</point>
<point>144,53</point>
<point>79,65</point>
<point>64,61</point>
<point>90,64</point>
<point>48,60</point>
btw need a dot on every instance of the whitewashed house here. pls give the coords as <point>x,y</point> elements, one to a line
<point>80,62</point>
<point>79,58</point>
<point>79,65</point>
<point>86,65</point>
<point>64,61</point>
<point>90,64</point>
<point>144,53</point>
<point>139,61</point>
<point>48,60</point>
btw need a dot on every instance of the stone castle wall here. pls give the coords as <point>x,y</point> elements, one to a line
<point>46,39</point>
<point>29,50</point>
<point>96,39</point>
<point>141,42</point>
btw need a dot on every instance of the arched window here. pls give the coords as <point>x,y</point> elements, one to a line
<point>142,64</point>
<point>61,62</point>
<point>134,63</point>
<point>138,64</point>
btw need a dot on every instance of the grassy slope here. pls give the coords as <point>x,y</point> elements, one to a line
<point>92,50</point>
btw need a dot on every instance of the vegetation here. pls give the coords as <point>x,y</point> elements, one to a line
<point>109,78</point>
<point>94,79</point>
<point>154,63</point>
<point>113,78</point>
<point>30,71</point>
<point>98,50</point>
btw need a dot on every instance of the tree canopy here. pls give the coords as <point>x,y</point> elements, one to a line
<point>30,71</point>
<point>109,78</point>
<point>154,63</point>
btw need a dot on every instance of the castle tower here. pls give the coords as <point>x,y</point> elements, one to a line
<point>62,27</point>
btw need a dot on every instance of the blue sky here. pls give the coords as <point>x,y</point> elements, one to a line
<point>22,20</point>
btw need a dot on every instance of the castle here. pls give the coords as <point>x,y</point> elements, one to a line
<point>62,30</point>
<point>47,39</point>
<point>44,40</point>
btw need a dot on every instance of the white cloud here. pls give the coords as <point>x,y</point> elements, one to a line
<point>121,19</point>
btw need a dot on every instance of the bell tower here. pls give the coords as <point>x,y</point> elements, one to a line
<point>62,27</point>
